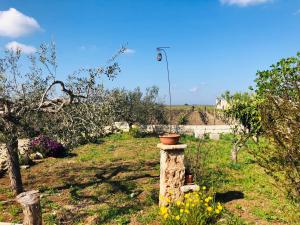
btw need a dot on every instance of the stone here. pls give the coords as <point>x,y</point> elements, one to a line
<point>171,147</point>
<point>24,166</point>
<point>214,136</point>
<point>172,172</point>
<point>23,149</point>
<point>189,188</point>
<point>36,155</point>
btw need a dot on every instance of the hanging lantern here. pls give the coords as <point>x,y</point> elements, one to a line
<point>159,57</point>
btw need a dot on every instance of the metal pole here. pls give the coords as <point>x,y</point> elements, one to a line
<point>169,83</point>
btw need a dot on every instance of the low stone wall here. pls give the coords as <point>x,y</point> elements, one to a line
<point>198,130</point>
<point>22,146</point>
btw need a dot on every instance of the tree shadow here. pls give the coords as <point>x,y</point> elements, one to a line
<point>229,196</point>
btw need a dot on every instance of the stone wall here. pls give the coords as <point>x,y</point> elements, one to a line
<point>198,130</point>
<point>23,147</point>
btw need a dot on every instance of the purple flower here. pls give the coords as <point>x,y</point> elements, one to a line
<point>47,146</point>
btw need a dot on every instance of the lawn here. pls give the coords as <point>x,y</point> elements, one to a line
<point>117,181</point>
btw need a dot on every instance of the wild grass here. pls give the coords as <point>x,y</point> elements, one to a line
<point>117,182</point>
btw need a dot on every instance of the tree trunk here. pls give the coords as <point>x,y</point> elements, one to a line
<point>13,164</point>
<point>30,202</point>
<point>234,153</point>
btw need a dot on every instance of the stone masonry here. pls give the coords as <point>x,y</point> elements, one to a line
<point>172,172</point>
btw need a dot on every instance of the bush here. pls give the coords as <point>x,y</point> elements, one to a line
<point>196,208</point>
<point>47,147</point>
<point>183,119</point>
<point>279,106</point>
<point>136,132</point>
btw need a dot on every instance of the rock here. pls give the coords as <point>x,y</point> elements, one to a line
<point>3,159</point>
<point>214,136</point>
<point>123,126</point>
<point>36,155</point>
<point>24,166</point>
<point>23,150</point>
<point>189,188</point>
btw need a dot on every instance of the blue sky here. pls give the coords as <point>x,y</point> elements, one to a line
<point>216,45</point>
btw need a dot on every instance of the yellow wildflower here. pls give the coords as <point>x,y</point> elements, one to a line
<point>187,195</point>
<point>219,207</point>
<point>203,188</point>
<point>163,210</point>
<point>209,209</point>
<point>217,211</point>
<point>181,210</point>
<point>166,216</point>
<point>186,211</point>
<point>193,205</point>
<point>187,204</point>
<point>178,203</point>
<point>177,217</point>
<point>168,200</point>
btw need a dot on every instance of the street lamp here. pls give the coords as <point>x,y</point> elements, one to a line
<point>161,50</point>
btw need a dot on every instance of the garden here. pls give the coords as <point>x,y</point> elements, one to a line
<point>86,170</point>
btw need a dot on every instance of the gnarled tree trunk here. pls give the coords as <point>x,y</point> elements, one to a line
<point>13,164</point>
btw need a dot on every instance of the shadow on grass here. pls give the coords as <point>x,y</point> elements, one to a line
<point>122,179</point>
<point>229,196</point>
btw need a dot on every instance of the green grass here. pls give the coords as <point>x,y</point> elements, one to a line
<point>117,181</point>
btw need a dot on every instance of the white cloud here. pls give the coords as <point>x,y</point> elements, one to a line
<point>13,46</point>
<point>244,3</point>
<point>129,51</point>
<point>15,24</point>
<point>194,89</point>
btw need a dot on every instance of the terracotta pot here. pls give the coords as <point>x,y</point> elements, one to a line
<point>169,139</point>
<point>189,179</point>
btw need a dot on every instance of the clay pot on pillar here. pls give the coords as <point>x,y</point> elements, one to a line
<point>169,139</point>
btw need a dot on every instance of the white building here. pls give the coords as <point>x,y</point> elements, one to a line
<point>221,103</point>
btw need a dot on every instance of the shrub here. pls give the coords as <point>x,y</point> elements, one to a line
<point>183,119</point>
<point>195,208</point>
<point>136,132</point>
<point>47,147</point>
<point>279,106</point>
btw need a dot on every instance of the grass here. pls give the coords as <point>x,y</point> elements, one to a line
<point>117,181</point>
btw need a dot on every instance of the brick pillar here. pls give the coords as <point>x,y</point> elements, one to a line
<point>172,172</point>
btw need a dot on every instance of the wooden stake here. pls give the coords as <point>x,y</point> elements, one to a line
<point>30,202</point>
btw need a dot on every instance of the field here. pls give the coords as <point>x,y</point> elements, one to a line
<point>194,115</point>
<point>116,182</point>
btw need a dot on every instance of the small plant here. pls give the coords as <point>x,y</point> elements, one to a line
<point>47,147</point>
<point>195,208</point>
<point>136,132</point>
<point>183,120</point>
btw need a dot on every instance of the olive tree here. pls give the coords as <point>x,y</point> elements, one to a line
<point>137,107</point>
<point>33,93</point>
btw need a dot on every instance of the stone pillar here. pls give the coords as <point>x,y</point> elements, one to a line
<point>172,172</point>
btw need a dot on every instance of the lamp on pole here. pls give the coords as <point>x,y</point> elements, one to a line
<point>161,50</point>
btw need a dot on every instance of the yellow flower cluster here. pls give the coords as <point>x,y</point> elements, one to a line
<point>191,204</point>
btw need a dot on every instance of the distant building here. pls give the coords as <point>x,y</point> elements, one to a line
<point>221,103</point>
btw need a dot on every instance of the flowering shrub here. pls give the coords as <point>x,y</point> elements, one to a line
<point>47,146</point>
<point>195,208</point>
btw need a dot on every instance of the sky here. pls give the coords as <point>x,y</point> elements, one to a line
<point>215,45</point>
